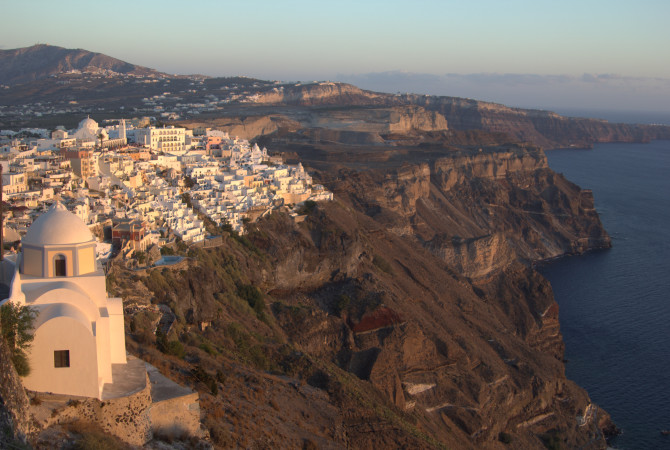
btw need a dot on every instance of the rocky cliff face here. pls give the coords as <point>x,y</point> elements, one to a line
<point>15,420</point>
<point>399,312</point>
<point>473,359</point>
<point>483,210</point>
<point>321,94</point>
<point>542,128</point>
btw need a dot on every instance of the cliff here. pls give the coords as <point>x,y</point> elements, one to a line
<point>15,420</point>
<point>483,210</point>
<point>541,128</point>
<point>325,93</point>
<point>401,312</point>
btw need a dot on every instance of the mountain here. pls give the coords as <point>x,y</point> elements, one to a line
<point>23,65</point>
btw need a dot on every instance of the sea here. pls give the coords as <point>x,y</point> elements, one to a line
<point>615,303</point>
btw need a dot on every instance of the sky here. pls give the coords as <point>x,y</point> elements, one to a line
<point>552,52</point>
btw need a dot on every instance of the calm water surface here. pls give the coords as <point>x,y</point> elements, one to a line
<point>615,304</point>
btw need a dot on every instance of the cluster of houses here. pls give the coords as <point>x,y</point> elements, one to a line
<point>147,183</point>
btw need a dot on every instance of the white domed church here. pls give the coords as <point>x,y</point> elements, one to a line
<point>79,331</point>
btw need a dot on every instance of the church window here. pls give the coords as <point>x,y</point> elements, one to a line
<point>59,266</point>
<point>62,358</point>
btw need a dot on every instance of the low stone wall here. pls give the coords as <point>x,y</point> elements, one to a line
<point>176,417</point>
<point>162,407</point>
<point>124,417</point>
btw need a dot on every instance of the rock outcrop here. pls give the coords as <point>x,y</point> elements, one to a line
<point>15,420</point>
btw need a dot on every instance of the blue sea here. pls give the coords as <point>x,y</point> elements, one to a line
<point>615,304</point>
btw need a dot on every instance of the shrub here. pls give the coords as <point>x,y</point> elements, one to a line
<point>505,438</point>
<point>16,323</point>
<point>342,303</point>
<point>307,207</point>
<point>253,296</point>
<point>382,264</point>
<point>551,440</point>
<point>141,257</point>
<point>174,347</point>
<point>219,433</point>
<point>205,378</point>
<point>207,348</point>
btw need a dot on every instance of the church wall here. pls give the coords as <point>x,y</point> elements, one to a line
<point>86,258</point>
<point>63,333</point>
<point>32,262</point>
<point>117,333</point>
<point>103,348</point>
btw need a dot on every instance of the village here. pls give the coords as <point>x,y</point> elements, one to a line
<point>146,185</point>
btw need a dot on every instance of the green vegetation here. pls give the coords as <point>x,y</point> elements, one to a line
<point>188,182</point>
<point>141,257</point>
<point>505,438</point>
<point>307,207</point>
<point>253,296</point>
<point>227,228</point>
<point>201,375</point>
<point>173,347</point>
<point>247,347</point>
<point>16,323</point>
<point>551,440</point>
<point>343,301</point>
<point>382,264</point>
<point>167,251</point>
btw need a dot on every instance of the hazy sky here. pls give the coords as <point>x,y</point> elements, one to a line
<point>306,40</point>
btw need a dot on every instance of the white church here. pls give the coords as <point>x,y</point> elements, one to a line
<point>79,331</point>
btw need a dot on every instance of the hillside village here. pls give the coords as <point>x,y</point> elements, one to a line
<point>146,183</point>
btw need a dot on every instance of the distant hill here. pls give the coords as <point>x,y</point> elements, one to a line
<point>23,65</point>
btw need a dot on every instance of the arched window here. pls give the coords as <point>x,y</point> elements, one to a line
<point>59,266</point>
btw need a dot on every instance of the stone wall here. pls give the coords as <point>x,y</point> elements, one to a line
<point>134,418</point>
<point>126,417</point>
<point>176,417</point>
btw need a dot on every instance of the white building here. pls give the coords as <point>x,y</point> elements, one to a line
<point>78,330</point>
<point>169,140</point>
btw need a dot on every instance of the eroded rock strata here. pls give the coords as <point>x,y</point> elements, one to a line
<point>405,313</point>
<point>459,330</point>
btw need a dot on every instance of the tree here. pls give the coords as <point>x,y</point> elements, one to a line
<point>16,323</point>
<point>189,182</point>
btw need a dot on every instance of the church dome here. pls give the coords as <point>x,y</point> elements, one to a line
<point>57,226</point>
<point>89,124</point>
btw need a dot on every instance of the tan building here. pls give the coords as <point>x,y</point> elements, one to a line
<point>83,162</point>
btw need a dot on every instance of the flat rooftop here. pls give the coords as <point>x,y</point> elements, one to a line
<point>127,379</point>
